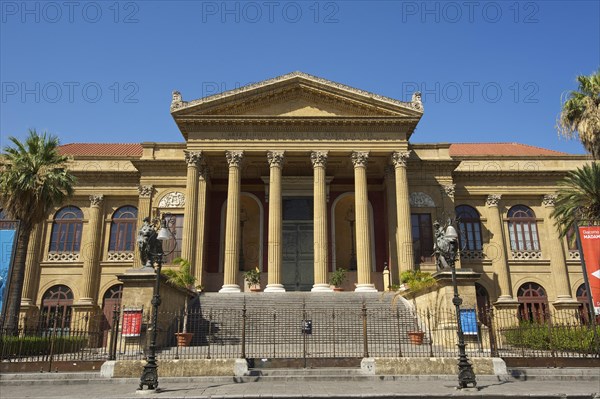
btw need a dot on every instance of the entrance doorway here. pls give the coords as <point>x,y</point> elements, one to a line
<point>298,244</point>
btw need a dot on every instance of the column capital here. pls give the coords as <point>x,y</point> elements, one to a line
<point>193,158</point>
<point>449,189</point>
<point>234,158</point>
<point>203,172</point>
<point>360,159</point>
<point>549,200</point>
<point>493,200</point>
<point>146,191</point>
<point>319,158</point>
<point>275,158</point>
<point>399,158</point>
<point>96,199</point>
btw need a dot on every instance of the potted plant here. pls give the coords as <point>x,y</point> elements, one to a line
<point>337,279</point>
<point>414,281</point>
<point>183,278</point>
<point>252,278</point>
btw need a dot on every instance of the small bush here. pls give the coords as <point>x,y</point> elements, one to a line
<point>40,345</point>
<point>560,338</point>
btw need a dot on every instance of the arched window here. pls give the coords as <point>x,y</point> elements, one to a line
<point>469,225</point>
<point>533,303</point>
<point>66,230</point>
<point>122,229</point>
<point>111,302</point>
<point>56,308</point>
<point>522,229</point>
<point>483,303</point>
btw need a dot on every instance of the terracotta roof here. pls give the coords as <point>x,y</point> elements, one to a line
<point>500,149</point>
<point>102,149</point>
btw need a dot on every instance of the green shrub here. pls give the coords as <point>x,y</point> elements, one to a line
<point>40,345</point>
<point>548,337</point>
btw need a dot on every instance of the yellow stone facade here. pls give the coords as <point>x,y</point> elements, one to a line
<point>299,176</point>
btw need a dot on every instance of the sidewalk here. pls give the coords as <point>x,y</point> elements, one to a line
<point>399,387</point>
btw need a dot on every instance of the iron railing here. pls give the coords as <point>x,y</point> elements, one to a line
<point>255,332</point>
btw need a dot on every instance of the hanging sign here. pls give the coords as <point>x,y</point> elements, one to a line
<point>590,247</point>
<point>132,323</point>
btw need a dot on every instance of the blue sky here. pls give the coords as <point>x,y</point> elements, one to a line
<point>103,71</point>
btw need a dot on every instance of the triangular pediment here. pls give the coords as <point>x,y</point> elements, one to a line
<point>295,95</point>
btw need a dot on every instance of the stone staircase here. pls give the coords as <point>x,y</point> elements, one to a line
<point>273,324</point>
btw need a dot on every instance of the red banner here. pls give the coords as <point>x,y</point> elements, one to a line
<point>132,323</point>
<point>590,246</point>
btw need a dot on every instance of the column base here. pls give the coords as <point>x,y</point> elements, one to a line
<point>321,288</point>
<point>230,288</point>
<point>365,288</point>
<point>274,288</point>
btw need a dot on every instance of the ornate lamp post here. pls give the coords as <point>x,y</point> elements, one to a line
<point>150,239</point>
<point>351,219</point>
<point>449,252</point>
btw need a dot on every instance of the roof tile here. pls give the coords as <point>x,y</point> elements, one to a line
<point>500,149</point>
<point>102,149</point>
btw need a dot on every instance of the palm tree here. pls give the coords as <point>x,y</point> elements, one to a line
<point>578,200</point>
<point>184,278</point>
<point>33,180</point>
<point>580,114</point>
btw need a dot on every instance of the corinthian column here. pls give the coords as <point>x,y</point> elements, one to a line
<point>558,265</point>
<point>91,263</point>
<point>319,162</point>
<point>144,202</point>
<point>406,259</point>
<point>392,221</point>
<point>201,224</point>
<point>497,250</point>
<point>232,223</point>
<point>363,239</point>
<point>194,162</point>
<point>275,159</point>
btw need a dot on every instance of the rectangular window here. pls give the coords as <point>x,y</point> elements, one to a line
<point>422,232</point>
<point>174,244</point>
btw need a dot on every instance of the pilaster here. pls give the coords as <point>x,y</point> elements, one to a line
<point>91,261</point>
<point>497,248</point>
<point>144,205</point>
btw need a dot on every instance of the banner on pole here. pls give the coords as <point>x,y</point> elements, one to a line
<point>8,247</point>
<point>132,322</point>
<point>590,246</point>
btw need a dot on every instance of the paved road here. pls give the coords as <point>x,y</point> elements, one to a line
<point>221,388</point>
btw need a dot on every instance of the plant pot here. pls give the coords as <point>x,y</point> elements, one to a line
<point>184,339</point>
<point>338,289</point>
<point>416,337</point>
<point>255,289</point>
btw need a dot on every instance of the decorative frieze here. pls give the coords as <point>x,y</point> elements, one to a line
<point>400,158</point>
<point>549,200</point>
<point>526,255</point>
<point>319,158</point>
<point>360,159</point>
<point>63,256</point>
<point>472,254</point>
<point>175,199</point>
<point>120,256</point>
<point>275,158</point>
<point>493,199</point>
<point>421,200</point>
<point>234,158</point>
<point>194,158</point>
<point>96,199</point>
<point>449,189</point>
<point>146,191</point>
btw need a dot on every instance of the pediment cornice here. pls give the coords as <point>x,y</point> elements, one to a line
<point>248,96</point>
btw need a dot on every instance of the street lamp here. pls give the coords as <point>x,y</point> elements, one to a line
<point>150,240</point>
<point>466,375</point>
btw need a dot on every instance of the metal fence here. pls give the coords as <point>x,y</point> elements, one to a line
<point>300,333</point>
